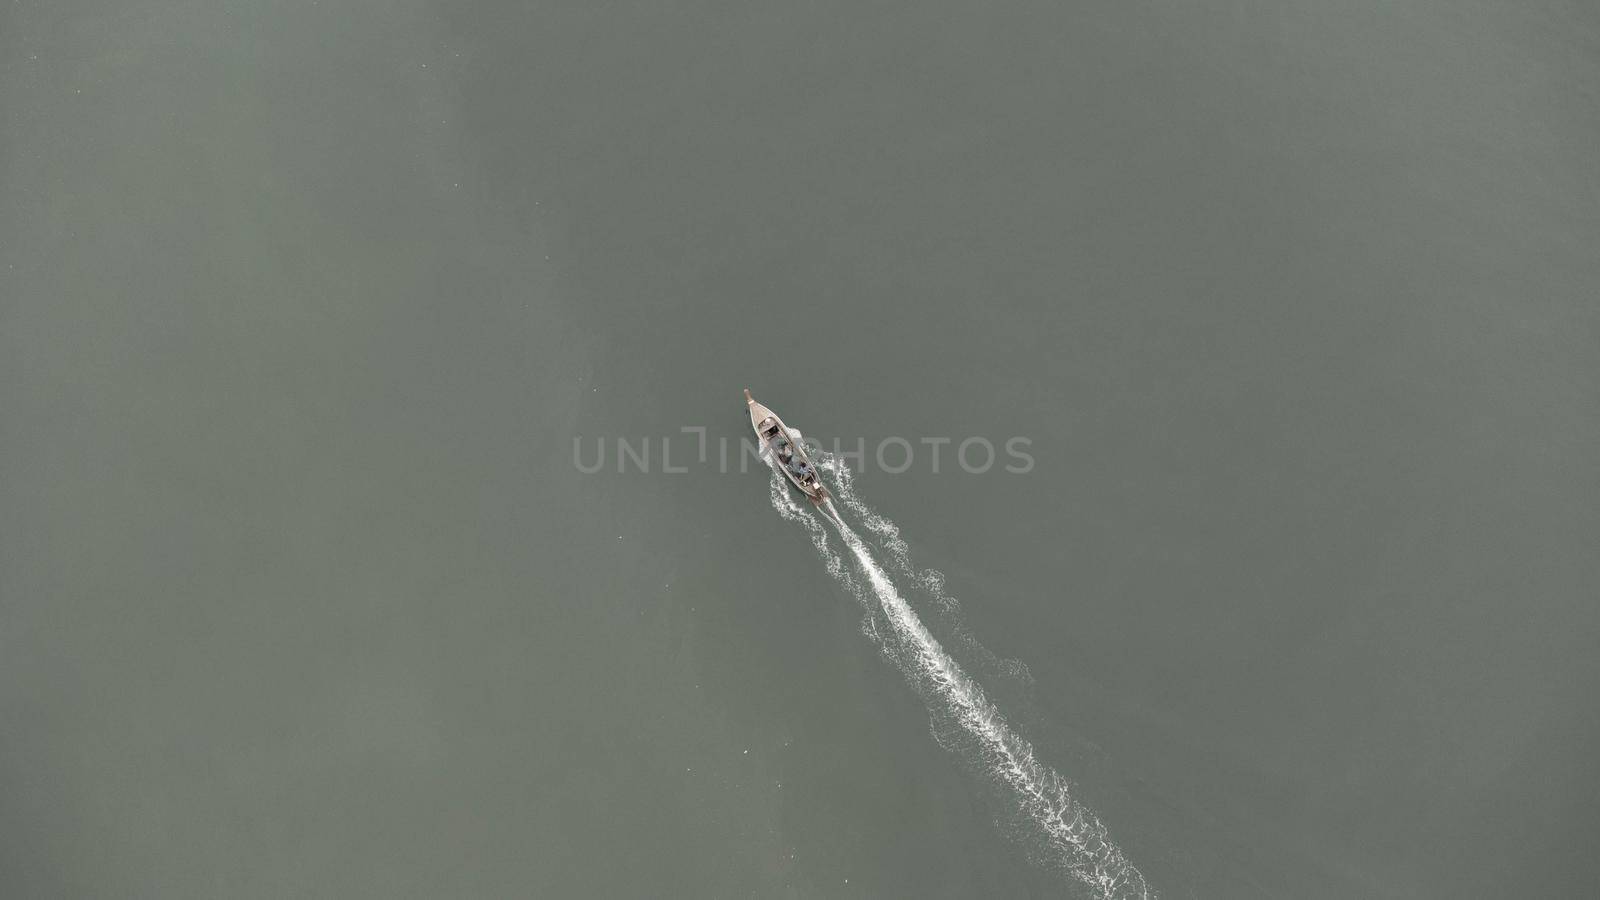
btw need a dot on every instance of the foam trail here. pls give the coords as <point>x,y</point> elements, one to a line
<point>1066,834</point>
<point>930,581</point>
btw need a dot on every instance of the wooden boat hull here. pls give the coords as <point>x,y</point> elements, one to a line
<point>789,454</point>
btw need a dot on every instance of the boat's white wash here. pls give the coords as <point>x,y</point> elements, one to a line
<point>1070,836</point>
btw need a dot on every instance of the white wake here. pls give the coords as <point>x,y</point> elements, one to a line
<point>1066,834</point>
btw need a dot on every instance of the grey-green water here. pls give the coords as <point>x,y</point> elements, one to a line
<point>302,306</point>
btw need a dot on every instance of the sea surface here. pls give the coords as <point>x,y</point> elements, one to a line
<point>323,572</point>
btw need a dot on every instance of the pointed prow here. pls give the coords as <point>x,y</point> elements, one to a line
<point>747,398</point>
